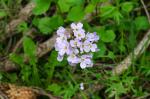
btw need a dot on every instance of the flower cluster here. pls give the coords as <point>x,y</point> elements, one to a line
<point>76,44</point>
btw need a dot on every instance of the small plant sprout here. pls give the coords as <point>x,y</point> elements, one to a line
<point>77,44</point>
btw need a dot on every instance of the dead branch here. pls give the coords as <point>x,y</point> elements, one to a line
<point>146,11</point>
<point>126,63</point>
<point>47,46</point>
<point>23,16</point>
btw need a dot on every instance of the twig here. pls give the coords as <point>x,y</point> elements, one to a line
<point>23,15</point>
<point>2,95</point>
<point>46,46</point>
<point>40,91</point>
<point>140,8</point>
<point>126,63</point>
<point>146,11</point>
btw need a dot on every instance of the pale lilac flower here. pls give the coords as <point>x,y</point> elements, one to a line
<point>72,64</point>
<point>96,37</point>
<point>61,30</point>
<point>73,59</point>
<point>81,48</point>
<point>64,48</point>
<point>56,47</point>
<point>76,26</point>
<point>94,48</point>
<point>70,50</point>
<point>81,86</point>
<point>75,51</point>
<point>90,64</point>
<point>76,45</point>
<point>60,58</point>
<point>61,39</point>
<point>88,46</point>
<point>68,34</point>
<point>93,37</point>
<point>79,34</point>
<point>86,61</point>
<point>73,43</point>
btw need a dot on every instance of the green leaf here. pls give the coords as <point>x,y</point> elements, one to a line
<point>46,25</point>
<point>107,11</point>
<point>53,58</point>
<point>89,8</point>
<point>29,46</point>
<point>16,58</point>
<point>141,23</point>
<point>35,21</point>
<point>111,55</point>
<point>3,14</point>
<point>52,63</point>
<point>12,77</point>
<point>121,45</point>
<point>30,50</point>
<point>76,14</point>
<point>70,90</point>
<point>108,36</point>
<point>96,1</point>
<point>64,7</point>
<point>55,88</point>
<point>41,6</point>
<point>26,74</point>
<point>75,2</point>
<point>102,50</point>
<point>117,16</point>
<point>56,21</point>
<point>127,6</point>
<point>22,27</point>
<point>116,89</point>
<point>66,4</point>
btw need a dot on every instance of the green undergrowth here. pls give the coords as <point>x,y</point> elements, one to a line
<point>121,24</point>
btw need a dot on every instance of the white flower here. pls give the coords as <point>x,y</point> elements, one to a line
<point>88,46</point>
<point>75,51</point>
<point>73,59</point>
<point>86,61</point>
<point>81,86</point>
<point>76,26</point>
<point>61,40</point>
<point>61,30</point>
<point>79,34</point>
<point>64,48</point>
<point>60,58</point>
<point>93,37</point>
<point>76,45</point>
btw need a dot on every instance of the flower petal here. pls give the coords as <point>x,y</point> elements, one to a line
<point>60,58</point>
<point>83,65</point>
